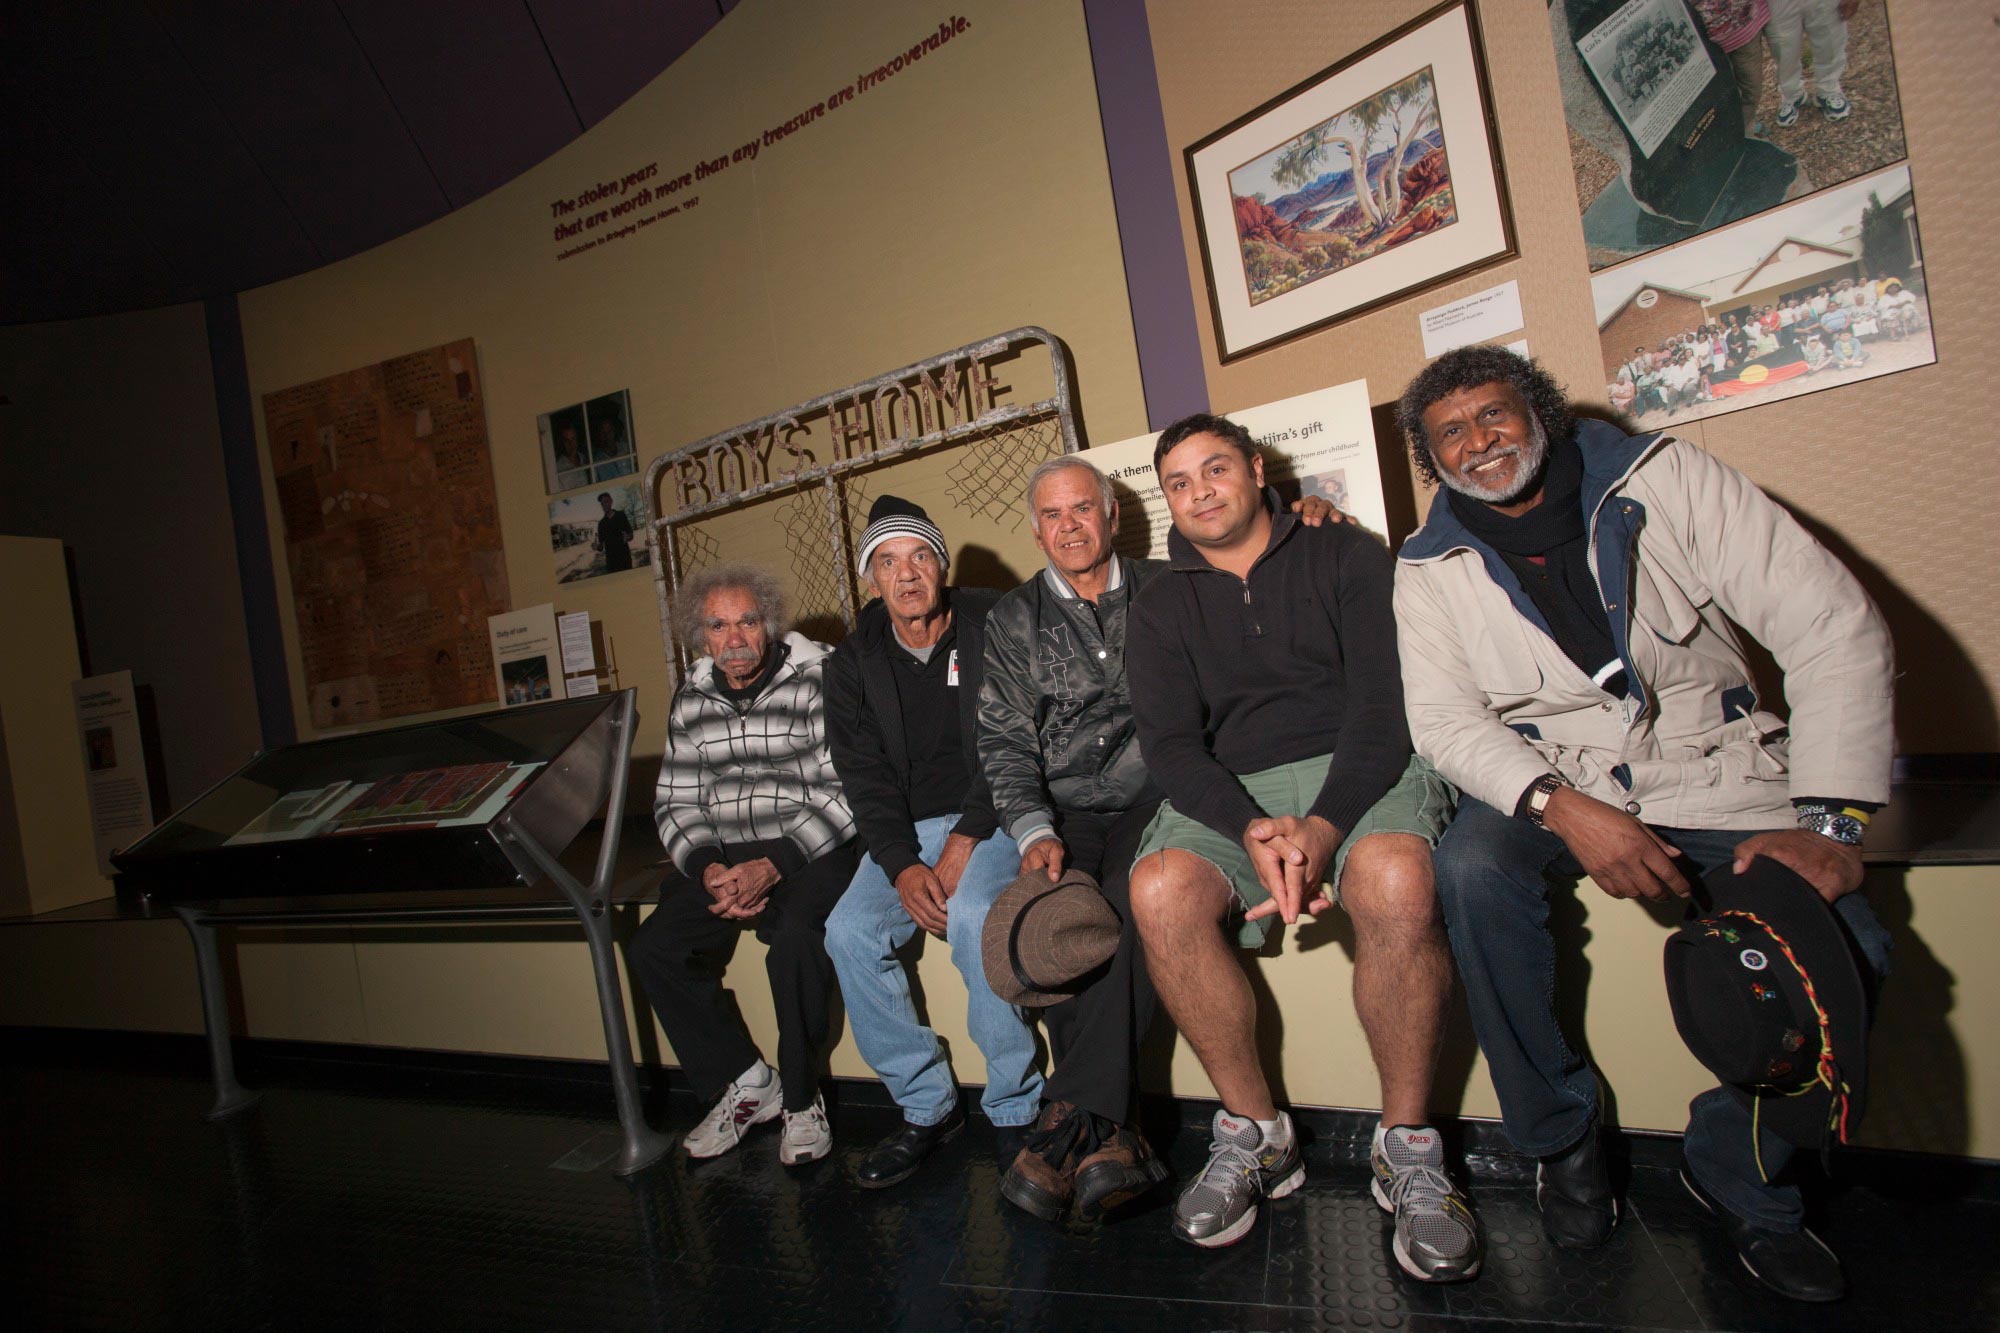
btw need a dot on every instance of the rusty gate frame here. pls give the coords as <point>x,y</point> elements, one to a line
<point>660,538</point>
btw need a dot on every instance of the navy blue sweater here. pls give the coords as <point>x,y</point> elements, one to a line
<point>1233,676</point>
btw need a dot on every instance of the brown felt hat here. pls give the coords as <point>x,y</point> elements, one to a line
<point>1043,937</point>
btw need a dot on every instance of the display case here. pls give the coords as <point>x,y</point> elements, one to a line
<point>409,809</point>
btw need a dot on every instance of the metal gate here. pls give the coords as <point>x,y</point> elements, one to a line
<point>815,459</point>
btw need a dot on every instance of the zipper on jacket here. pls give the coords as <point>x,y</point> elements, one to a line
<point>1250,609</point>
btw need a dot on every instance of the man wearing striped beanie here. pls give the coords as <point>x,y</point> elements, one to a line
<point>902,716</point>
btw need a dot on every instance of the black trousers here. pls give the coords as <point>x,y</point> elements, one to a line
<point>1095,1036</point>
<point>679,954</point>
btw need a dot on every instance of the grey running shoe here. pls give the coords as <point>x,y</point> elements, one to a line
<point>1437,1237</point>
<point>1220,1205</point>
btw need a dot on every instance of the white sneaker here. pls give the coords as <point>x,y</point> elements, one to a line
<point>807,1137</point>
<point>740,1107</point>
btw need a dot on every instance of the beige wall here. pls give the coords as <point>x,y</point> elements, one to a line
<point>110,444</point>
<point>965,196</point>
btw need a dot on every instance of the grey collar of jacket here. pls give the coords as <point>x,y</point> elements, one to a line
<point>1060,585</point>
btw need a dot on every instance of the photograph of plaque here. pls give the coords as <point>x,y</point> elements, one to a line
<point>385,488</point>
<point>408,808</point>
<point>1820,293</point>
<point>1687,115</point>
<point>585,444</point>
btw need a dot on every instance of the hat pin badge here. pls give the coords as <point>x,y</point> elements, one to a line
<point>1753,959</point>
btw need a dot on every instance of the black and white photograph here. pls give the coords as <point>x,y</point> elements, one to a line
<point>587,443</point>
<point>1650,62</point>
<point>565,448</point>
<point>611,444</point>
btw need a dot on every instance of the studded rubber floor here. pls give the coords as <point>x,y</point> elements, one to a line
<point>357,1197</point>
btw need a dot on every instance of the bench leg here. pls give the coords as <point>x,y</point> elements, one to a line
<point>643,1145</point>
<point>230,1096</point>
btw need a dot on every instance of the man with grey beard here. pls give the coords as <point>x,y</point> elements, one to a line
<point>1569,663</point>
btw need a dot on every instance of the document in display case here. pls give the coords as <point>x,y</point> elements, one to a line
<point>407,809</point>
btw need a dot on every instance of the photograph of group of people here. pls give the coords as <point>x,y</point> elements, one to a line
<point>588,443</point>
<point>1820,293</point>
<point>984,768</point>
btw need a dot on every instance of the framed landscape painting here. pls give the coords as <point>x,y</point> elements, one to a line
<point>1369,181</point>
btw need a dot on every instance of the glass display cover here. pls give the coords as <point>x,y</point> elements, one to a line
<point>406,807</point>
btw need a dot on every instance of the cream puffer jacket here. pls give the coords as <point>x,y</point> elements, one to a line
<point>1680,545</point>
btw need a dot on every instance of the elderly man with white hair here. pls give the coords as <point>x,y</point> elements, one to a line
<point>752,815</point>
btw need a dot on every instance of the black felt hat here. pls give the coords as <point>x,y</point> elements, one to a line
<point>1767,993</point>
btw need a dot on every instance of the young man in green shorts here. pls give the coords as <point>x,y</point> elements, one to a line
<point>1269,704</point>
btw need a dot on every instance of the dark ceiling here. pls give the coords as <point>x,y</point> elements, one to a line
<point>159,151</point>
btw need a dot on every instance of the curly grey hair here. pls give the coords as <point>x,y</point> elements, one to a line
<point>692,599</point>
<point>1050,467</point>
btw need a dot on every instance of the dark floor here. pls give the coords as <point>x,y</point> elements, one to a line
<point>364,1195</point>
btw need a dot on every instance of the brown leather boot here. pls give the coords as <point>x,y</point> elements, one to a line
<point>1123,1168</point>
<point>1039,1181</point>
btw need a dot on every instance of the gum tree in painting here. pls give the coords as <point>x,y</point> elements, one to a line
<point>1356,185</point>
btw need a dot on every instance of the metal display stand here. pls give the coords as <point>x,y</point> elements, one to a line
<point>590,904</point>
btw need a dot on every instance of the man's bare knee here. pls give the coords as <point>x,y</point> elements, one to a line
<point>1388,883</point>
<point>1173,888</point>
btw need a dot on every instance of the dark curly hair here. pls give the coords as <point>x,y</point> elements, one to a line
<point>1468,368</point>
<point>1204,423</point>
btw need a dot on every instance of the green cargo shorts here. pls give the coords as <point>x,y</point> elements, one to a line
<point>1420,803</point>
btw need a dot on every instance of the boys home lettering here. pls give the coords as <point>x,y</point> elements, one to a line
<point>847,430</point>
<point>599,207</point>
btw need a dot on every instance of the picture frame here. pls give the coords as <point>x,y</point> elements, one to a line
<point>1289,245</point>
<point>588,443</point>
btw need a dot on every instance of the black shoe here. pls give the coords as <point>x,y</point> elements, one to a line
<point>1796,1264</point>
<point>1573,1190</point>
<point>896,1158</point>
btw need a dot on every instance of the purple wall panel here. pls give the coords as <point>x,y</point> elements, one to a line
<point>609,49</point>
<point>474,84</point>
<point>1142,191</point>
<point>298,90</point>
<point>158,159</point>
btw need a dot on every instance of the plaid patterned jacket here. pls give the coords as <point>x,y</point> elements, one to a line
<point>730,777</point>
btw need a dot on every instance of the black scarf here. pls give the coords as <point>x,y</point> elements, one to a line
<point>1556,520</point>
<point>1548,550</point>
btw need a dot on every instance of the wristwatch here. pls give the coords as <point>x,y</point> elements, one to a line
<point>1844,826</point>
<point>1538,797</point>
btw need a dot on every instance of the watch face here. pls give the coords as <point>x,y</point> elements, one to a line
<point>1845,828</point>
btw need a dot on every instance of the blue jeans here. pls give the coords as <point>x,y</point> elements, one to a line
<point>1494,873</point>
<point>863,935</point>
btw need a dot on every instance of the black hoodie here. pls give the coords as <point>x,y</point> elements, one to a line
<point>878,698</point>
